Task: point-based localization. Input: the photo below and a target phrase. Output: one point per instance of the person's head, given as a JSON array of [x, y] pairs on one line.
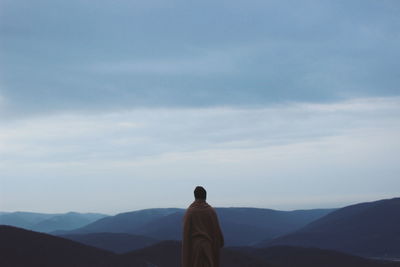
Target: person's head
[[200, 193]]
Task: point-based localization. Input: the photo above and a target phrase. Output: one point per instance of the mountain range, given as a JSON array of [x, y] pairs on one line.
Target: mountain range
[[367, 229], [256, 236], [43, 222], [19, 247], [242, 226]]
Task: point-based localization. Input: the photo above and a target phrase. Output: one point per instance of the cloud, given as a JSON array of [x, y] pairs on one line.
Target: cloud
[[212, 62], [2, 100], [148, 132], [300, 150], [3, 106], [123, 94], [66, 56]]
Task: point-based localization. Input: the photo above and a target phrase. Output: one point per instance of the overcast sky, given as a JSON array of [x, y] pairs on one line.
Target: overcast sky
[[111, 106]]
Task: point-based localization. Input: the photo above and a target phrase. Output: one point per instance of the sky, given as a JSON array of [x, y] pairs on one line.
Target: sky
[[113, 106]]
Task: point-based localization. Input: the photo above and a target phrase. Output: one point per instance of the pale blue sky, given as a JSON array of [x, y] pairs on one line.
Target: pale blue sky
[[109, 106]]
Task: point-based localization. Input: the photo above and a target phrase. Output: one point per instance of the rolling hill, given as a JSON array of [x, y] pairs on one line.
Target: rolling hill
[[23, 219], [68, 221], [127, 222], [287, 256], [368, 229], [42, 222], [248, 226], [241, 226], [115, 242], [168, 254], [19, 247]]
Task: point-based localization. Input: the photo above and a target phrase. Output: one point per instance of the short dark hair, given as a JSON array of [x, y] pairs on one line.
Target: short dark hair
[[200, 193]]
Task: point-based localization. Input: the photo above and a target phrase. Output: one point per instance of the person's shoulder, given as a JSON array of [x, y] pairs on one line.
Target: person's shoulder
[[213, 210], [191, 208], [208, 208]]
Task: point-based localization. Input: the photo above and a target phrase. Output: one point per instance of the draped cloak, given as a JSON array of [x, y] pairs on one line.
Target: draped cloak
[[202, 236]]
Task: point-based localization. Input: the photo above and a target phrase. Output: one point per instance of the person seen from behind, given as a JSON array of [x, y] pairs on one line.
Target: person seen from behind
[[202, 235]]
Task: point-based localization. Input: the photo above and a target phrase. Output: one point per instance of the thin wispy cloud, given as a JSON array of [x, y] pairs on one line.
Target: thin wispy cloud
[[276, 146], [146, 132], [215, 62]]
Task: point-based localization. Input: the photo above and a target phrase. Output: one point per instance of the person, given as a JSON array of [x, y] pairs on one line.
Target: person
[[202, 235]]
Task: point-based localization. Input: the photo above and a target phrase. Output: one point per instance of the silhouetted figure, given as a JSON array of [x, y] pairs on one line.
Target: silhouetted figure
[[202, 236]]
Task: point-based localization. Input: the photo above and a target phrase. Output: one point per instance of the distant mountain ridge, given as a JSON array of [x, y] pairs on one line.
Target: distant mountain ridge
[[245, 226], [366, 229], [23, 219], [125, 222], [43, 222], [241, 226], [369, 229]]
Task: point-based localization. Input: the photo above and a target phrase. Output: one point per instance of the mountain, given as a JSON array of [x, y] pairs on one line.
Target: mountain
[[286, 256], [165, 254], [165, 228], [19, 247], [48, 222], [126, 222], [368, 229], [168, 254], [248, 226], [68, 221], [241, 226], [115, 242], [23, 219]]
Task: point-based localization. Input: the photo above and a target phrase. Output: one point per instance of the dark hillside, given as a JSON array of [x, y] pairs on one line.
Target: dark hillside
[[115, 242], [308, 257], [19, 247], [168, 254], [368, 229]]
